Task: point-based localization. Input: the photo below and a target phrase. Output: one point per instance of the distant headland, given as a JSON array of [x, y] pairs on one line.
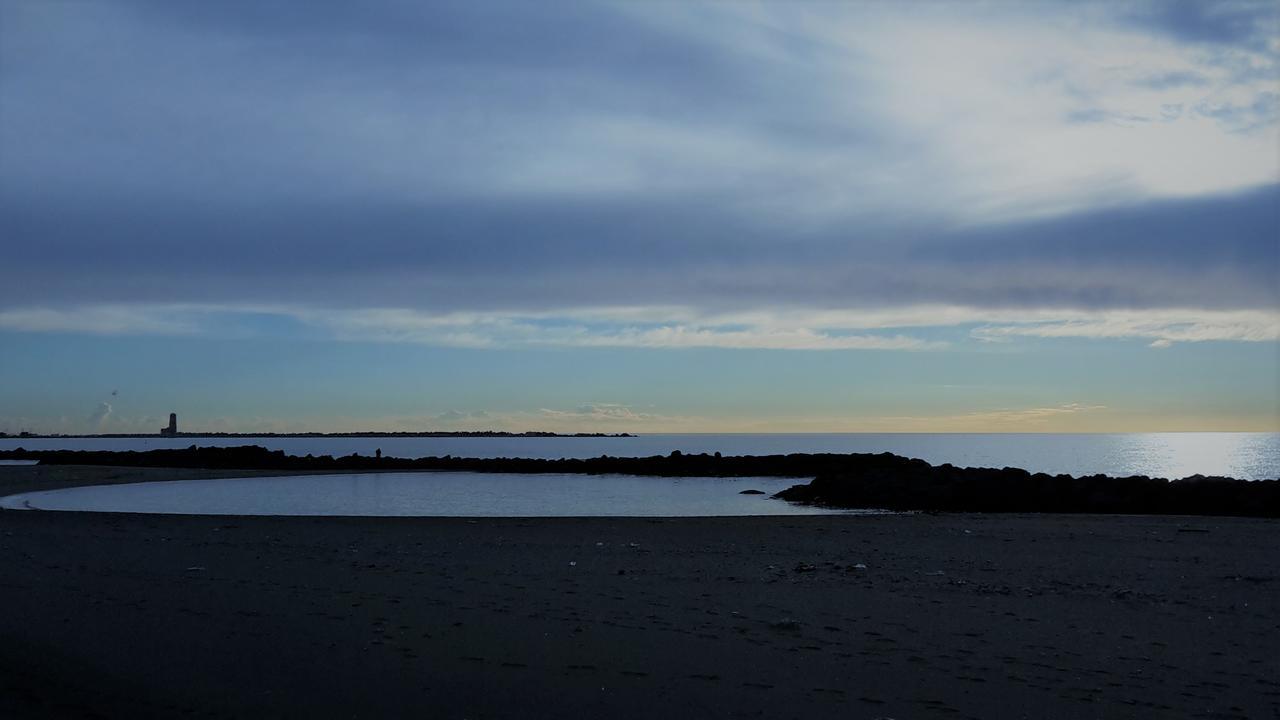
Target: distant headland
[[171, 431], [165, 432]]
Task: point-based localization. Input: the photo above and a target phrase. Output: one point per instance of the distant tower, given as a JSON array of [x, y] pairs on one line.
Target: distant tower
[[172, 430]]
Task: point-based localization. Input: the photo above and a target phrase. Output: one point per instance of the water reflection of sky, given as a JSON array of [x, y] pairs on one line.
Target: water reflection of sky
[[430, 494]]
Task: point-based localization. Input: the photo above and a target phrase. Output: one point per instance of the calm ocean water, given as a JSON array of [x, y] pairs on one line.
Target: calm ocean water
[[1252, 456]]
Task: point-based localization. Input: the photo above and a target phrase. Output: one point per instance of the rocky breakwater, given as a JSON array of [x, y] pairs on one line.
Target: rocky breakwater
[[896, 483]]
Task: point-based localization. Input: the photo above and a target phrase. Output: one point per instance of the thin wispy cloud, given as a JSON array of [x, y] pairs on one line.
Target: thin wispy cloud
[[1000, 420], [1163, 328], [602, 412], [100, 320], [659, 327], [98, 418]]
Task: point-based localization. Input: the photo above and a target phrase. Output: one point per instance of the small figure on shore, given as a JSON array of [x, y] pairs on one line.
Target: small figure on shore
[[378, 453]]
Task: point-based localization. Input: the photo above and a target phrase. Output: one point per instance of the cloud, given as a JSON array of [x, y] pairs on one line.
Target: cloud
[[592, 415], [1172, 79], [899, 328], [99, 416], [1263, 111], [1099, 116], [1162, 327], [457, 416], [451, 158], [797, 339], [98, 320], [666, 328], [1006, 420], [1232, 23], [1144, 254], [597, 411]]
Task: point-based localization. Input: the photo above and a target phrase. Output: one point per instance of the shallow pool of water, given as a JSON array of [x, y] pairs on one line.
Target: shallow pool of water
[[446, 494]]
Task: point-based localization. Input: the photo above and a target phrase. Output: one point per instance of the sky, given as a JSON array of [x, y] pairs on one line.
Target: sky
[[639, 216]]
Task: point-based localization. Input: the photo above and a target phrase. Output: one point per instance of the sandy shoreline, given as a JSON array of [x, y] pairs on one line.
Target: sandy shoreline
[[952, 616]]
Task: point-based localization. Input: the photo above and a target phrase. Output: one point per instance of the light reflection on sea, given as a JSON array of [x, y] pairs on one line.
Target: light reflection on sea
[[1175, 455]]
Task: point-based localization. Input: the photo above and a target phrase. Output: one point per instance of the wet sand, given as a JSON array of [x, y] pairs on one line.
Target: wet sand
[[910, 616]]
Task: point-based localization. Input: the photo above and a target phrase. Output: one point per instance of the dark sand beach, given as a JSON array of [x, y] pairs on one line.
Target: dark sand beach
[[899, 616]]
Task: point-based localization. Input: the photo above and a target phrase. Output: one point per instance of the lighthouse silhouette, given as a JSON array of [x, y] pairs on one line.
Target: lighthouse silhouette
[[172, 430]]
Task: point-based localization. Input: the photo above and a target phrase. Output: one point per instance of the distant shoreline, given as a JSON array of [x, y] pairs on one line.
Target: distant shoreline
[[432, 434]]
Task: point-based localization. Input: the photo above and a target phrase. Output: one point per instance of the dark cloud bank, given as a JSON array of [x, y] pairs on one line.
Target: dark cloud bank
[[1216, 252], [165, 153]]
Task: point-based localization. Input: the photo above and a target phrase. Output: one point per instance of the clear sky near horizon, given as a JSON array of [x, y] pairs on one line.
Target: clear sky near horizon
[[639, 216]]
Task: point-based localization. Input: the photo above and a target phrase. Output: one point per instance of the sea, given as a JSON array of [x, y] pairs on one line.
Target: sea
[[1247, 456]]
